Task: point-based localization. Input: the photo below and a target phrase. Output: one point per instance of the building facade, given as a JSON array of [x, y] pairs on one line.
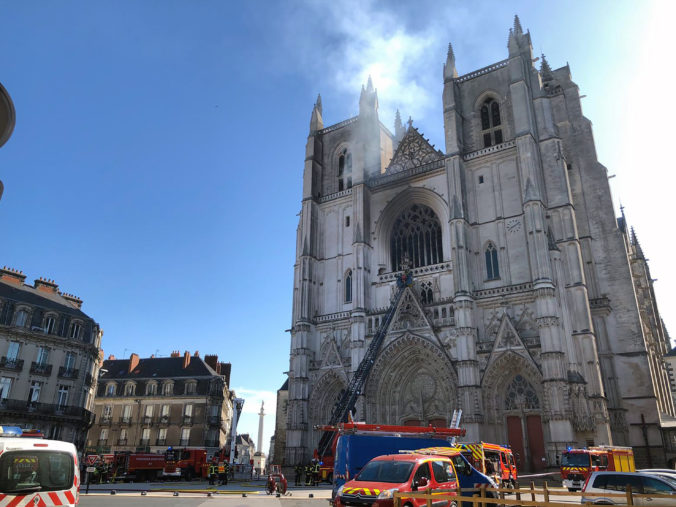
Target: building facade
[[49, 358], [532, 308], [279, 444], [150, 404]]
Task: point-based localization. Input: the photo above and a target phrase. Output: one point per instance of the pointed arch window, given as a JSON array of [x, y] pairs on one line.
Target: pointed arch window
[[344, 170], [348, 286], [426, 294], [492, 267], [416, 235], [521, 395], [491, 123]]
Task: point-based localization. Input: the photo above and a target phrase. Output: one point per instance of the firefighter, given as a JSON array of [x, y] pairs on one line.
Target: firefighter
[[221, 473], [212, 473], [226, 472], [308, 474], [315, 473], [299, 473]]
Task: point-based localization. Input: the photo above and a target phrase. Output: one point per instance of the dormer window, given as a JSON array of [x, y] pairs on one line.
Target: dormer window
[[75, 329], [50, 324], [344, 170], [151, 389], [111, 389], [130, 389], [21, 318], [168, 389], [491, 123]]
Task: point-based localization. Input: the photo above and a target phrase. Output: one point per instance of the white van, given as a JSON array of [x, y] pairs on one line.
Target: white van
[[35, 471]]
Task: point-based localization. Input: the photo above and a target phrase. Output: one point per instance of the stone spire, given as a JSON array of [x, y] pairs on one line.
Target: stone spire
[[316, 121], [368, 99], [450, 71], [517, 25], [545, 69], [399, 129]]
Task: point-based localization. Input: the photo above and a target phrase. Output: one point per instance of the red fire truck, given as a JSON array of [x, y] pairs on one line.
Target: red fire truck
[[130, 467], [578, 464], [185, 464], [495, 461]]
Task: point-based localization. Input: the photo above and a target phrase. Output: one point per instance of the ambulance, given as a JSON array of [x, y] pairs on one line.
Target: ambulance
[[35, 471]]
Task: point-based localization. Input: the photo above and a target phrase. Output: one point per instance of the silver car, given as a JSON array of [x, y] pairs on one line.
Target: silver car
[[616, 483]]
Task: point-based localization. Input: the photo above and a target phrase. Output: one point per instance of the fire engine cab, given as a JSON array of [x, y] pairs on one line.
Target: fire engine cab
[[578, 464], [35, 471]]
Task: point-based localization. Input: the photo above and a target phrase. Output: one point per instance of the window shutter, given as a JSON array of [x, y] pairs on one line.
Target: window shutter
[[65, 321]]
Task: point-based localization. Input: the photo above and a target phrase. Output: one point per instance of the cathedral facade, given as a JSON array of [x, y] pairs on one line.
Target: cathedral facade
[[532, 307]]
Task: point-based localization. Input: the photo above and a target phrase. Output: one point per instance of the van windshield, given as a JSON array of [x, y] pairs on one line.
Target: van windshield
[[395, 472], [27, 471], [575, 459]]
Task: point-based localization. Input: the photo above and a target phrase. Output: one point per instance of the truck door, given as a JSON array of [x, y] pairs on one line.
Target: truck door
[[443, 479]]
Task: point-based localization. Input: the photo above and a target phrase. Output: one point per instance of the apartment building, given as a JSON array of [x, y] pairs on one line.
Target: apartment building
[[150, 404], [49, 358]]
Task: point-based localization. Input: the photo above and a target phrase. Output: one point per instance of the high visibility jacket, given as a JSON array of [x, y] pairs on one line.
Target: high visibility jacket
[[316, 468], [212, 469], [221, 468]]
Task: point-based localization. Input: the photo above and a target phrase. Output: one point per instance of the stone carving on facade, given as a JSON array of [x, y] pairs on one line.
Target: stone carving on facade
[[409, 369], [325, 392], [409, 314], [413, 151], [581, 416]]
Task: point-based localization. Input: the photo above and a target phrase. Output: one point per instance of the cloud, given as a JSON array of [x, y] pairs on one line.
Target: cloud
[[252, 400]]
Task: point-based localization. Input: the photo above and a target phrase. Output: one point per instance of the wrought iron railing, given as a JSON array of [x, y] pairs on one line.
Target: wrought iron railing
[[11, 364], [41, 368], [68, 372], [35, 408]]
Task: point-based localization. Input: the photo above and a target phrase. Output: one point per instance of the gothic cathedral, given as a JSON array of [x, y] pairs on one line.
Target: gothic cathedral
[[532, 308]]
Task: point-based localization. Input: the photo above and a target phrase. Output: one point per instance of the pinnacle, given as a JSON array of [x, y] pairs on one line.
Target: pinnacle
[[517, 25], [451, 54], [369, 84]]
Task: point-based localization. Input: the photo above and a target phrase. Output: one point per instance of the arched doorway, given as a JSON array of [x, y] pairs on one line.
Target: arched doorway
[[325, 393], [513, 399], [412, 383]]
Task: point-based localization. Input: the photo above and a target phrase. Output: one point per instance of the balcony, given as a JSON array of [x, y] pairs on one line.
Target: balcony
[[68, 372], [145, 442], [125, 419], [161, 441], [121, 441], [102, 443], [89, 379], [41, 369], [214, 420], [147, 419], [184, 442], [187, 420], [17, 408], [13, 364], [164, 420], [106, 421]]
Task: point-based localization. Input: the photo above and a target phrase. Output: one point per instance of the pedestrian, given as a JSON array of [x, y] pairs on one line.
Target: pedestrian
[[315, 473], [226, 469], [299, 473]]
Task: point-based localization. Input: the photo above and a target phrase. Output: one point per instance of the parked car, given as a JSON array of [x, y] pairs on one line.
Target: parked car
[[616, 483], [383, 476]]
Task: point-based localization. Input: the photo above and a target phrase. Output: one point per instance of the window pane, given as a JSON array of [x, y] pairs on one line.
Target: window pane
[[439, 471], [495, 114], [487, 140], [485, 123], [498, 136]]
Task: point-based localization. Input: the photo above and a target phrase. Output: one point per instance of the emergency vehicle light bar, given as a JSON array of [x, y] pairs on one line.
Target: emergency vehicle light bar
[[10, 431], [435, 451]]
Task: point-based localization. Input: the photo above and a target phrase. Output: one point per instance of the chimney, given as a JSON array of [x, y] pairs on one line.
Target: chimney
[[175, 353], [133, 362], [73, 300], [111, 357], [11, 275], [152, 356], [46, 285], [211, 360], [197, 353], [186, 359]]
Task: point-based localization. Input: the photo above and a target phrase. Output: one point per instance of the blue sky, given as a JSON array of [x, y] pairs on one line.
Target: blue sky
[[155, 168]]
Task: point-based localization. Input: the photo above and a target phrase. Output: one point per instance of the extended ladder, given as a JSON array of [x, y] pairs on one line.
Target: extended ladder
[[349, 397]]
